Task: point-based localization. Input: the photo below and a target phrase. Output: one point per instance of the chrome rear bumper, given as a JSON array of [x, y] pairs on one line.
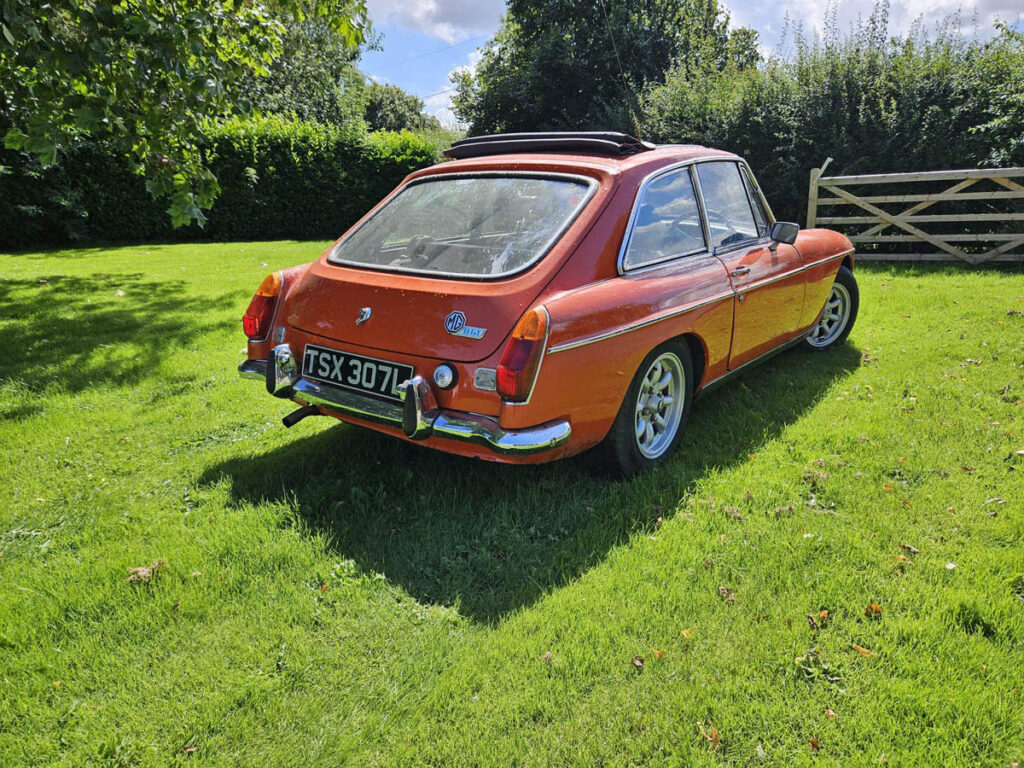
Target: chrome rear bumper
[[418, 415]]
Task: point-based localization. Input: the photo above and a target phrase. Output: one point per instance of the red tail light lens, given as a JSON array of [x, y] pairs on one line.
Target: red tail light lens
[[257, 318], [521, 359]]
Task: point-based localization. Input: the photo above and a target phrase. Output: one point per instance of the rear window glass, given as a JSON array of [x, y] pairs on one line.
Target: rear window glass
[[466, 226]]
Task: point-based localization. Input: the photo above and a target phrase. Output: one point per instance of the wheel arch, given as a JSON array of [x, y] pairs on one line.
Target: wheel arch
[[698, 355]]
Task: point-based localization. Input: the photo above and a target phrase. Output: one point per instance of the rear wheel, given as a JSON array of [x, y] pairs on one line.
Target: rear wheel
[[653, 415], [838, 316]]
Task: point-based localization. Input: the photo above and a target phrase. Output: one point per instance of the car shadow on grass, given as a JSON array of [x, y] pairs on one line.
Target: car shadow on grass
[[105, 330], [491, 538]]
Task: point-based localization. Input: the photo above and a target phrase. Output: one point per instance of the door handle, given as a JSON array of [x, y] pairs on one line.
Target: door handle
[[740, 271]]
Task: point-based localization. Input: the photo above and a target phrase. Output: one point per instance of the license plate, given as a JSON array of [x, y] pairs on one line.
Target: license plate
[[356, 372]]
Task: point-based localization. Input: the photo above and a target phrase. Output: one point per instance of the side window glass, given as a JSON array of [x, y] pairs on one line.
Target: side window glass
[[755, 203], [730, 219], [667, 222]]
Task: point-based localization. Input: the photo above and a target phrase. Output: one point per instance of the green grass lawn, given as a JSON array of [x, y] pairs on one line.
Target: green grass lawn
[[328, 596]]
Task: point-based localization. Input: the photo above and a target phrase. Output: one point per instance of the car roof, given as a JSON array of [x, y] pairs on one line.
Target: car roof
[[588, 163]]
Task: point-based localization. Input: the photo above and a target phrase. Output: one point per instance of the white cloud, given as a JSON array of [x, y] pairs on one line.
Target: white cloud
[[450, 20], [769, 18]]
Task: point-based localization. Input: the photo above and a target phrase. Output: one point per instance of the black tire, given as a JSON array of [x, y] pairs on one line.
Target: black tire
[[825, 336], [621, 452]]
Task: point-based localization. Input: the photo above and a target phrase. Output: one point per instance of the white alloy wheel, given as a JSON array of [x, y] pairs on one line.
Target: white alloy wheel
[[659, 405], [834, 318]]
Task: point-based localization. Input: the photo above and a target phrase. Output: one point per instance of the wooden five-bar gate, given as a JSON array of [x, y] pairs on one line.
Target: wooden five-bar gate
[[963, 233]]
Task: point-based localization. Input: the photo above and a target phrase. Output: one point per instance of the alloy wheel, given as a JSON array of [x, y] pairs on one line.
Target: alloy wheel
[[834, 318], [659, 405]]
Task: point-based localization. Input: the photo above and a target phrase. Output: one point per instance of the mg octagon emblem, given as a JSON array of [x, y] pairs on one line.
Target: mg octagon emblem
[[455, 324]]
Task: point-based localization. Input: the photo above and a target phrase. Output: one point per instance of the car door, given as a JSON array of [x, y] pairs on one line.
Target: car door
[[767, 278]]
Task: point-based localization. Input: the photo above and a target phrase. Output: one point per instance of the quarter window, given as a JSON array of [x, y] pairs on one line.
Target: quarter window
[[730, 220], [755, 203], [667, 223]]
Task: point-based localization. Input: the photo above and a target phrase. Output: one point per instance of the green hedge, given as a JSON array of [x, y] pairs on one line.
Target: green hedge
[[279, 179], [873, 102]]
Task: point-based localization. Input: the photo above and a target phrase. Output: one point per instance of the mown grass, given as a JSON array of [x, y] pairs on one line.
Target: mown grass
[[329, 596]]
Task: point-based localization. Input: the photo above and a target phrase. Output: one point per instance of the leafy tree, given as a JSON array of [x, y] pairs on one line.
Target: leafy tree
[[389, 108], [149, 76], [315, 77], [574, 64], [873, 102]]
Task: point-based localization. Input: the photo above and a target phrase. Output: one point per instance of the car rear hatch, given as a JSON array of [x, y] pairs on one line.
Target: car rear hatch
[[408, 314], [445, 271]]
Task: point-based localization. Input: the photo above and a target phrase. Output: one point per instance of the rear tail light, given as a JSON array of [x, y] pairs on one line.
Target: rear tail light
[[520, 361], [260, 313]]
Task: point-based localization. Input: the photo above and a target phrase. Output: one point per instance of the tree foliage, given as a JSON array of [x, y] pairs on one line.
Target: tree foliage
[[573, 64], [389, 108], [315, 78], [281, 178], [875, 103], [148, 76]]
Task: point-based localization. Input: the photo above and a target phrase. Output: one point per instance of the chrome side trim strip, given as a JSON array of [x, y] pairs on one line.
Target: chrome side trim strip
[[634, 326], [674, 313]]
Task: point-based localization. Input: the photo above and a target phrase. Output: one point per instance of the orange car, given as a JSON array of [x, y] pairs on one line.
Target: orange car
[[543, 294]]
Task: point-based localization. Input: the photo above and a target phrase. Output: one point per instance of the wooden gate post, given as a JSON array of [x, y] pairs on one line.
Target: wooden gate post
[[812, 194]]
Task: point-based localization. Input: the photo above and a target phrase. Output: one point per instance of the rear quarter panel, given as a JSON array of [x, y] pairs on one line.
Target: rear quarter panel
[[600, 334]]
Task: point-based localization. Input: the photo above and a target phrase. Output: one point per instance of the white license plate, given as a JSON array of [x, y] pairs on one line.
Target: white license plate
[[368, 375]]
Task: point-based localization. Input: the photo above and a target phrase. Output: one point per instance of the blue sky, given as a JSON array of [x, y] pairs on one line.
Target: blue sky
[[425, 40]]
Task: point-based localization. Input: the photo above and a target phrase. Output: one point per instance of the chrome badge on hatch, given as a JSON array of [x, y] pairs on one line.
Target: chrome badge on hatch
[[455, 324], [364, 315]]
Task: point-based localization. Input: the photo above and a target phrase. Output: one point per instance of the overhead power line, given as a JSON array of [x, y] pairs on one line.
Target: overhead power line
[[431, 53]]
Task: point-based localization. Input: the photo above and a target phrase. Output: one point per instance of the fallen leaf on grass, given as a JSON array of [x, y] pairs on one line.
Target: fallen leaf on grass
[[323, 587], [967, 468], [548, 657], [657, 654], [638, 663], [119, 292], [950, 566], [687, 634], [188, 749], [994, 500], [812, 622], [823, 616], [143, 574], [58, 683], [815, 747], [908, 548], [711, 735], [903, 558], [830, 714], [726, 594], [873, 611], [861, 650]]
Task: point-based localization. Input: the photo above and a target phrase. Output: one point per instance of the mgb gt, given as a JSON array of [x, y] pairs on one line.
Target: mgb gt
[[545, 294]]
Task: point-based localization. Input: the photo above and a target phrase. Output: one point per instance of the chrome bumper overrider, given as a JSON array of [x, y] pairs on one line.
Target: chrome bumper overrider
[[418, 415]]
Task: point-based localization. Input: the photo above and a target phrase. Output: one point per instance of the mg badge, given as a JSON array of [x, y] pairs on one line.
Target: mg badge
[[364, 315], [455, 324]]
